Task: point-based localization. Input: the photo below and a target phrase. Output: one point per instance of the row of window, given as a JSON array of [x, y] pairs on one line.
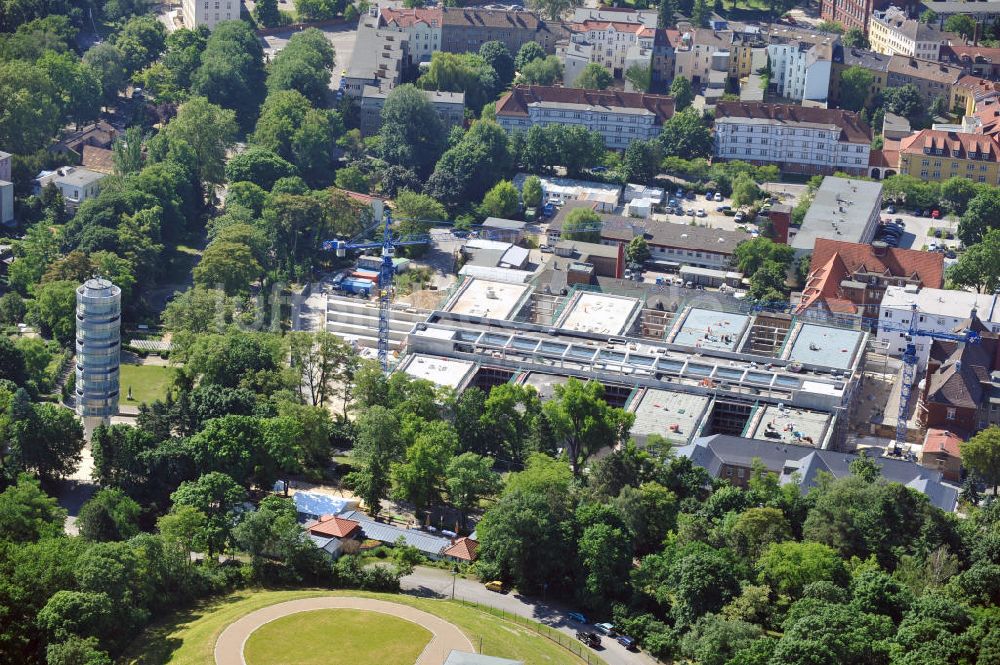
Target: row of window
[[954, 165]]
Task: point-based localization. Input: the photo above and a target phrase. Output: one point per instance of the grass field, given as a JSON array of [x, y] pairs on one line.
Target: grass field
[[188, 638], [362, 637], [148, 383]]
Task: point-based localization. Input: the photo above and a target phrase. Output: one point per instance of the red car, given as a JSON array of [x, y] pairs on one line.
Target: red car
[[935, 214]]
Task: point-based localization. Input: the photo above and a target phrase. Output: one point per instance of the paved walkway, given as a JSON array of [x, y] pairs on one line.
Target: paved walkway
[[229, 647]]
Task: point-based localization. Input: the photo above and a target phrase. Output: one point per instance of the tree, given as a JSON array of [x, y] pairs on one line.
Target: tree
[[606, 555], [768, 283], [141, 41], [745, 191], [28, 514], [714, 639], [305, 64], [411, 208], [55, 307], [77, 88], [637, 251], [529, 52], [751, 255], [978, 267], [499, 58], [44, 439], [531, 192], [128, 151], [318, 10], [501, 201], [833, 634], [76, 613], [957, 193], [216, 496], [377, 445], [855, 87], [680, 90], [649, 511], [411, 135], [963, 24], [12, 362], [665, 13], [324, 360], [582, 224], [685, 134], [209, 131], [260, 166], [755, 529], [830, 26], [419, 476], [541, 71], [229, 266], [231, 74], [904, 100], [641, 77], [641, 162], [702, 580], [788, 567], [266, 13], [553, 9], [855, 38], [76, 651], [13, 309], [594, 77], [462, 72], [583, 421], [31, 112], [928, 16], [700, 13], [470, 477], [981, 215], [109, 515], [981, 455], [108, 62]]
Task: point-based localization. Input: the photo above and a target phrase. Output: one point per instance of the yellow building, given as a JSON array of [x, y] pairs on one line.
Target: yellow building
[[968, 95], [938, 155]]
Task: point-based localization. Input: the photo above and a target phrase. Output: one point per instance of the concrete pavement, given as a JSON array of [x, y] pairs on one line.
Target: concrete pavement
[[437, 583]]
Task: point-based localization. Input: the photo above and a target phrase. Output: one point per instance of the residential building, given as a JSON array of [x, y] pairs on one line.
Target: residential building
[[893, 32], [978, 61], [797, 139], [961, 387], [747, 51], [603, 197], [331, 533], [895, 127], [463, 550], [209, 13], [98, 159], [598, 260], [497, 228], [697, 50], [851, 277], [801, 63], [468, 28], [938, 155], [617, 39], [450, 107], [75, 183], [936, 310], [620, 117], [378, 58], [609, 41], [857, 13], [984, 11], [421, 26], [972, 93], [942, 451], [933, 79], [100, 134], [671, 245], [845, 57], [842, 209], [646, 17], [6, 190], [731, 458]]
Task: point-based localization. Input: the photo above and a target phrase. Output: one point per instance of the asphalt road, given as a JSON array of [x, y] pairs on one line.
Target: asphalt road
[[434, 582]]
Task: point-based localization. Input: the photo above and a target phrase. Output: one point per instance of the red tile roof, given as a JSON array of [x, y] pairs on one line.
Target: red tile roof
[[516, 101], [942, 441], [956, 145], [404, 18], [979, 87], [464, 549], [332, 526], [852, 128], [969, 53]]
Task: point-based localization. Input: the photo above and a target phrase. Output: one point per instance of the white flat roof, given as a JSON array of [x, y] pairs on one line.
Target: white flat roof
[[942, 302], [600, 313], [825, 346], [494, 300], [441, 371], [708, 329], [672, 415]]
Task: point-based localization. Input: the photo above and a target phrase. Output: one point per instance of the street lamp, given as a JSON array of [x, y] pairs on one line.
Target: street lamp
[[454, 576]]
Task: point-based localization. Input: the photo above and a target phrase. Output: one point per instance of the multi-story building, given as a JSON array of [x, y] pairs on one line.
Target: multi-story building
[[797, 139], [938, 155], [893, 32], [857, 13], [851, 277], [983, 11], [972, 93], [620, 117], [75, 183], [842, 208], [698, 49], [845, 57], [801, 62], [98, 351], [378, 59], [422, 28], [209, 13], [468, 28], [617, 40], [450, 107], [978, 61], [599, 196], [933, 79]]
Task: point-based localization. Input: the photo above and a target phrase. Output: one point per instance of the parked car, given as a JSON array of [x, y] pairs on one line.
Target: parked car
[[717, 197], [708, 196], [599, 169], [628, 643], [723, 208], [950, 254], [891, 209], [576, 616], [605, 628], [739, 217], [899, 220], [932, 247], [548, 210], [671, 203], [919, 212], [592, 640], [545, 249], [495, 585], [935, 214], [701, 212]]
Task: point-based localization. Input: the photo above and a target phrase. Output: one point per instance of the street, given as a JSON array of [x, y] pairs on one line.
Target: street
[[437, 583]]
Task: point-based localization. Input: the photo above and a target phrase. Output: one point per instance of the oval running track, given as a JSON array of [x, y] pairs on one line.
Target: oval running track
[[446, 636]]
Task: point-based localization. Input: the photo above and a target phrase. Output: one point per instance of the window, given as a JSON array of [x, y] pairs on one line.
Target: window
[[951, 413]]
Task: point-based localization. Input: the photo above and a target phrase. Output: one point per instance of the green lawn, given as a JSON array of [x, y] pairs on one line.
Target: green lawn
[[362, 637], [188, 638], [148, 383]]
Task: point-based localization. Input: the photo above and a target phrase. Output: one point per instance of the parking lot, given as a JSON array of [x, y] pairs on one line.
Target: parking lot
[[342, 37], [917, 236]]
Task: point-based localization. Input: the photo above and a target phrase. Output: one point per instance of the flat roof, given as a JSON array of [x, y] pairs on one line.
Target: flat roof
[[822, 345], [599, 313], [672, 415], [840, 210], [489, 299], [791, 425], [440, 371], [545, 384], [943, 302], [708, 329]]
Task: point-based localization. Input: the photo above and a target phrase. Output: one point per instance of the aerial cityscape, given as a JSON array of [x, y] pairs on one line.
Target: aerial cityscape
[[440, 332]]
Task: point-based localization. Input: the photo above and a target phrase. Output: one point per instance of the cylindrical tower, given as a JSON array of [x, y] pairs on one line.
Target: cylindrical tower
[[98, 349]]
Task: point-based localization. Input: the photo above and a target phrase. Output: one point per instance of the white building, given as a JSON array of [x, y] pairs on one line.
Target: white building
[[76, 183], [843, 209], [422, 28], [209, 12], [98, 350], [6, 190], [936, 310], [797, 139], [800, 70], [613, 40], [893, 32], [603, 196]]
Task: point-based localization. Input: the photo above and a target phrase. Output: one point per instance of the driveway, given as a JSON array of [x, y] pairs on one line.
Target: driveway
[[437, 583]]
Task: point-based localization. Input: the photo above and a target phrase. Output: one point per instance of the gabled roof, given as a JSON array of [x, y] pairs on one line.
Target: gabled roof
[[517, 101], [942, 441], [404, 18], [852, 128], [957, 145], [969, 53], [928, 267], [477, 17], [959, 381], [928, 70], [332, 526], [464, 549]]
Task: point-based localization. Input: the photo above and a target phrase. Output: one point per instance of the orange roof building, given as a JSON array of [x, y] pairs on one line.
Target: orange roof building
[[937, 155], [331, 526], [463, 549]]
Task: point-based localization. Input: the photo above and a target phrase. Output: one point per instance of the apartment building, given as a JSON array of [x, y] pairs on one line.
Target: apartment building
[[938, 155], [422, 28], [797, 139], [378, 59], [845, 57], [984, 11], [978, 61], [933, 79], [76, 184], [620, 117], [450, 107], [616, 41], [972, 93], [209, 13], [857, 13], [801, 63], [466, 29], [701, 50], [893, 32]]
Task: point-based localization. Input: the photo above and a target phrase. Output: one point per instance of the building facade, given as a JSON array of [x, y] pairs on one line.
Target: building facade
[[76, 184], [857, 13], [465, 29], [795, 138], [893, 32], [98, 349], [378, 59], [422, 28], [450, 107], [620, 117], [978, 61], [209, 13], [933, 79], [938, 155]]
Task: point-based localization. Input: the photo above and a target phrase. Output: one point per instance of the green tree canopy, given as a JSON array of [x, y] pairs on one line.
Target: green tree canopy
[[594, 77]]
